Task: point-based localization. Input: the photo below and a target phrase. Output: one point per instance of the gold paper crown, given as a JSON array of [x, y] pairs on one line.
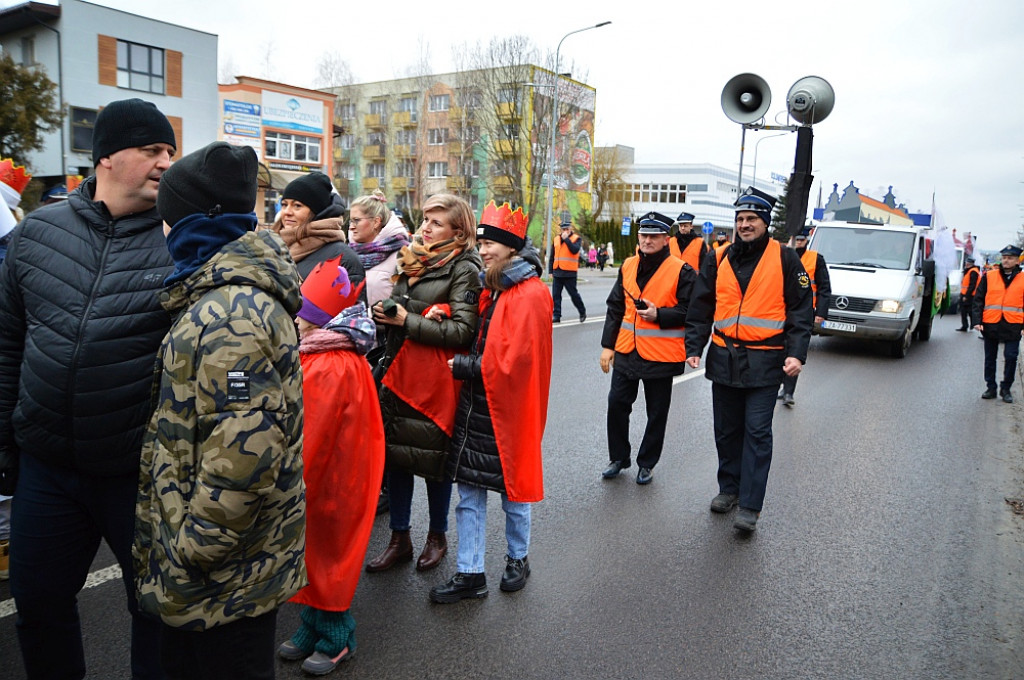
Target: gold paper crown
[[14, 176], [504, 218]]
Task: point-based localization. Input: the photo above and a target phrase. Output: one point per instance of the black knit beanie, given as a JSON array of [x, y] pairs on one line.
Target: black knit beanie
[[217, 179], [312, 190], [128, 123]]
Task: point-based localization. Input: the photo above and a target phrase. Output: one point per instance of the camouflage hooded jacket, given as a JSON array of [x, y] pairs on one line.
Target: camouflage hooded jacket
[[220, 527]]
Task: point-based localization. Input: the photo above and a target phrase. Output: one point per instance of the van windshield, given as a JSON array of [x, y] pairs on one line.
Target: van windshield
[[876, 248]]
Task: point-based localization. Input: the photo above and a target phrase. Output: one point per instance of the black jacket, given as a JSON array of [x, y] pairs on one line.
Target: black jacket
[[1003, 331], [743, 367], [822, 283], [80, 324]]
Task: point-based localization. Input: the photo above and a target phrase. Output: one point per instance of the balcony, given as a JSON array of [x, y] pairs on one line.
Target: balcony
[[507, 111], [457, 183], [373, 152], [502, 184], [403, 183], [405, 118], [371, 183], [373, 120], [458, 148], [404, 150], [504, 147]]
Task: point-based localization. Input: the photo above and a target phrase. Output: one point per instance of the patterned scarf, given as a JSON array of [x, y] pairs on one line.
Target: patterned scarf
[[373, 253], [418, 257], [310, 237]]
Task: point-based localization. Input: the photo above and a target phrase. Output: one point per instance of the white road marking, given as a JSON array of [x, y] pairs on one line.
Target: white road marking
[[94, 579]]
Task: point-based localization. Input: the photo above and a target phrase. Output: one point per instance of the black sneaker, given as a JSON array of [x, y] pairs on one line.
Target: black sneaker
[[516, 573], [724, 502], [583, 317], [1007, 397], [459, 587], [990, 393]]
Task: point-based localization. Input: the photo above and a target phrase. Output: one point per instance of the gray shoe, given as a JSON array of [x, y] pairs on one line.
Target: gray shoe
[[319, 663], [724, 502], [289, 651], [746, 519]]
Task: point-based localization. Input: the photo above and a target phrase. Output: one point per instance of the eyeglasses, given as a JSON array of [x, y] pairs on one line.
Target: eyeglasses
[[356, 220]]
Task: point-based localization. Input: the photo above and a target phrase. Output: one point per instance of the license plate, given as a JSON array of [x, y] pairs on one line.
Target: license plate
[[839, 326]]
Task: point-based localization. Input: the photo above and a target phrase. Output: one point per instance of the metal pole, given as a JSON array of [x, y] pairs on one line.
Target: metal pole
[[551, 145], [739, 178], [756, 147]]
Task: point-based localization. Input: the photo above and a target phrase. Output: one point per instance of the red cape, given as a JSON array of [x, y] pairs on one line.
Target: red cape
[[419, 376], [516, 371], [343, 459]]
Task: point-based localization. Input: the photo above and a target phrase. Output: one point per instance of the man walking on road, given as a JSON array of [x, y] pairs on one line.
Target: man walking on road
[[686, 245], [754, 300], [968, 287], [643, 340], [564, 262], [999, 303], [821, 292], [80, 323]]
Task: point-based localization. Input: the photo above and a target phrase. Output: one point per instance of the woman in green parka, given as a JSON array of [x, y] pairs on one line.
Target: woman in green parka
[[439, 268]]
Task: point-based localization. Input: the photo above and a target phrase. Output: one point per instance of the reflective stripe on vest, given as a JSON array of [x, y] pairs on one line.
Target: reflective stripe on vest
[[1002, 303], [651, 342], [757, 316], [810, 262], [965, 283], [565, 260]]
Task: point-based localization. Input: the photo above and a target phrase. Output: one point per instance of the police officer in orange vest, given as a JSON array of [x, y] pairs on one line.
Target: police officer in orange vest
[[753, 298], [686, 245], [968, 287], [563, 263], [999, 303], [721, 240], [643, 340], [821, 291]]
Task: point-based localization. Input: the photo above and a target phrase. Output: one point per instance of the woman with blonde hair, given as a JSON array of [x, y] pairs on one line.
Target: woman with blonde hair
[[440, 268], [376, 235]]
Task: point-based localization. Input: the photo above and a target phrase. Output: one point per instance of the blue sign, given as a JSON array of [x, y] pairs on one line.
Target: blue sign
[[707, 228], [626, 224]]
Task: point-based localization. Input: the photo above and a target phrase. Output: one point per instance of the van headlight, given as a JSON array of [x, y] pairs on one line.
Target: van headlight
[[888, 306]]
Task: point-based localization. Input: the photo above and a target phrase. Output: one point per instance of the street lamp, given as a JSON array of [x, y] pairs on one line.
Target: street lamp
[[756, 147], [551, 147]]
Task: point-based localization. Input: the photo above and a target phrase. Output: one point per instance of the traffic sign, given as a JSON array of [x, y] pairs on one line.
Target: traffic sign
[[626, 224], [707, 228]]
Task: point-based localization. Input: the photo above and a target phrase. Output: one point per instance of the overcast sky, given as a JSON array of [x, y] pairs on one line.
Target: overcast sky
[[928, 95]]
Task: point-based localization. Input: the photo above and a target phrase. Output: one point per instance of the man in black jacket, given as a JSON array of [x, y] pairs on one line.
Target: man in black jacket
[[80, 323], [999, 315], [821, 293], [755, 297]]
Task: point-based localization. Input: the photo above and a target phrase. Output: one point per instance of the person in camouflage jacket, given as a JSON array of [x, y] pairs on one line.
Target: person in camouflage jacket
[[220, 529]]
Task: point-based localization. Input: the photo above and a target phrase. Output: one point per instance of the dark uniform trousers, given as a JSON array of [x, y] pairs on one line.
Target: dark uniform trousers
[[743, 436], [967, 313], [623, 392], [569, 284], [1010, 351]]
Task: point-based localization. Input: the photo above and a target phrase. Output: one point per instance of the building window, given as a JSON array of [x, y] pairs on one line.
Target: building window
[[375, 138], [347, 141], [82, 122], [140, 67], [405, 137], [702, 188], [405, 169], [508, 94], [379, 107], [28, 51], [470, 169], [347, 171], [439, 102], [437, 136], [437, 169], [288, 147], [470, 133], [347, 111], [409, 105], [375, 170], [471, 99], [511, 131]]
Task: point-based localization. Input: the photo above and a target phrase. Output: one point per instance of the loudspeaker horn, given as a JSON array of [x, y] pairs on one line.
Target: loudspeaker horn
[[810, 100], [746, 98]]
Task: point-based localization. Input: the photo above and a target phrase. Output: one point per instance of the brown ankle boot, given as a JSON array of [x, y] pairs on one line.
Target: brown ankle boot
[[434, 550], [399, 550]]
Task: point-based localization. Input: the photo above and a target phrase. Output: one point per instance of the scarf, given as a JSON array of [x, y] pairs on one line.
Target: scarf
[[417, 258], [515, 271], [352, 329], [373, 253], [197, 238], [310, 237]]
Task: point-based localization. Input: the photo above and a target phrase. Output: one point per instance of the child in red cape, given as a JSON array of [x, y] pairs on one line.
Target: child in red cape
[[502, 407], [343, 458]]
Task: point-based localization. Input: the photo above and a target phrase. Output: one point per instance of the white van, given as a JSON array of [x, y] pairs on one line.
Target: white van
[[882, 282]]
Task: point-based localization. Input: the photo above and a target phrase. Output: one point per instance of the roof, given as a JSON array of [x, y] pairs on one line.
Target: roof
[[881, 206], [26, 14]]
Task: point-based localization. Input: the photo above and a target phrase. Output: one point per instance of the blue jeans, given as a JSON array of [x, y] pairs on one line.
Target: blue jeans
[[439, 498], [743, 436], [59, 517], [471, 524]]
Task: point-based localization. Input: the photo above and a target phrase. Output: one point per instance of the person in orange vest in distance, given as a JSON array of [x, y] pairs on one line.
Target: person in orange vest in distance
[[563, 263], [821, 292], [643, 340], [999, 303], [754, 300], [968, 287], [686, 245], [721, 240]]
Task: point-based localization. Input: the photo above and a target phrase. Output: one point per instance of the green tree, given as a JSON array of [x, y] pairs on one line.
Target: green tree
[[778, 228], [28, 109]]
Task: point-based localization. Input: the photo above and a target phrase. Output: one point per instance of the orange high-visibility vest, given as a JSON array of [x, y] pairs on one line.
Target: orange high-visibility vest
[[652, 342], [964, 283], [691, 253], [1002, 303], [810, 262], [757, 318], [565, 260]]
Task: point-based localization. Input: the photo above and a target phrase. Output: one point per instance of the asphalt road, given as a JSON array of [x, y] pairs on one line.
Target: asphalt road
[[885, 549]]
